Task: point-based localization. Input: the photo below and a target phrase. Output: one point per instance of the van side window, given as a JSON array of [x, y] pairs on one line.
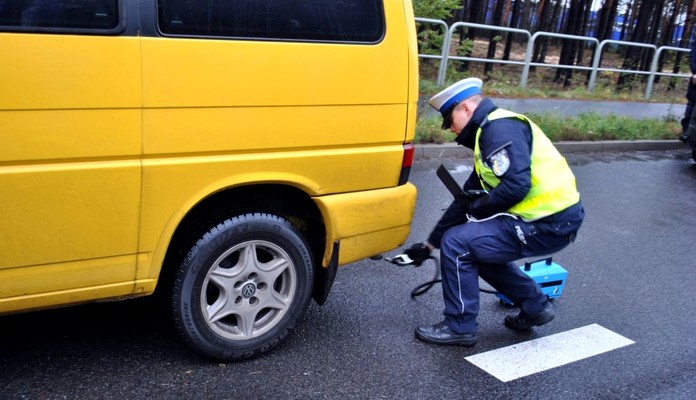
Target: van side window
[[305, 20], [47, 15]]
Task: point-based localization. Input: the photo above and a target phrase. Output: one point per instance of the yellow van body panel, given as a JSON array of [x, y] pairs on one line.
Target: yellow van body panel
[[413, 74], [92, 273], [69, 72], [175, 186], [70, 124], [109, 142]]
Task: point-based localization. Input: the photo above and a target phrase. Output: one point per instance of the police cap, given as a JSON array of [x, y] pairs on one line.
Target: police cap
[[445, 101]]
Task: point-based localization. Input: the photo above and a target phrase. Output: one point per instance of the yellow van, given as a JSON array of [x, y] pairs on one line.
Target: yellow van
[[226, 154]]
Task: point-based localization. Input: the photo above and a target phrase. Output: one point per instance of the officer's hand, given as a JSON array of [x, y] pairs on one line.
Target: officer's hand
[[418, 252]]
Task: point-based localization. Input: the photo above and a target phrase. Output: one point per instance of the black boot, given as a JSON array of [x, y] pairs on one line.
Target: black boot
[[524, 321], [441, 334]]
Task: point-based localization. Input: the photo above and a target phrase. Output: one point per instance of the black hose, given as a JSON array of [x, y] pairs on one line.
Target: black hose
[[424, 287]]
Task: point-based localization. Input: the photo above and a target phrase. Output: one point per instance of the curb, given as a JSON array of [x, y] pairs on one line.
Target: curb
[[453, 150]]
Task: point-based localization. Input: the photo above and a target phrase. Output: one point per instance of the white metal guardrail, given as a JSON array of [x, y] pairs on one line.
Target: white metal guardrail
[[528, 55], [449, 31], [598, 56], [653, 68], [448, 41]]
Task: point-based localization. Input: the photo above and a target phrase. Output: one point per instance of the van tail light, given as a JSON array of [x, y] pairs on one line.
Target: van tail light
[[409, 153]]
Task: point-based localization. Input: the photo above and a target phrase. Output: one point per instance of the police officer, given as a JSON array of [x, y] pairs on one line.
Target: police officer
[[691, 91], [531, 208]]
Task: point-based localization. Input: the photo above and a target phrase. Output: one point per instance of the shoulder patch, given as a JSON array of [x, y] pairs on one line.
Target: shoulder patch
[[500, 162]]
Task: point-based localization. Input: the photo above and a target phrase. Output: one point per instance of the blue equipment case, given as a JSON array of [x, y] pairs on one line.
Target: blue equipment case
[[549, 275]]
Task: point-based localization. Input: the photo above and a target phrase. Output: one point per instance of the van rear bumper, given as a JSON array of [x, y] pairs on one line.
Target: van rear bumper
[[366, 223], [360, 225]]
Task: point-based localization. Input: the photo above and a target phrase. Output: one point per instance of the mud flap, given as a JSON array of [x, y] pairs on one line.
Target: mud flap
[[324, 277]]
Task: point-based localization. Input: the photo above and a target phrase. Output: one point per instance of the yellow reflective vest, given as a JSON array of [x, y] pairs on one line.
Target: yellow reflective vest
[[553, 183]]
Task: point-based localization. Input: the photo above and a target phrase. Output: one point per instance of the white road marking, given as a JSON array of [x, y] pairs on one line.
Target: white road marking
[[519, 360], [463, 169]]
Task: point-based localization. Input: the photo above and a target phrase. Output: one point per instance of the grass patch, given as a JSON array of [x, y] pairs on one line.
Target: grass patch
[[428, 130], [592, 126]]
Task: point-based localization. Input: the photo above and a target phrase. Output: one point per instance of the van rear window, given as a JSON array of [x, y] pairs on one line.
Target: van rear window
[[305, 20], [56, 15]]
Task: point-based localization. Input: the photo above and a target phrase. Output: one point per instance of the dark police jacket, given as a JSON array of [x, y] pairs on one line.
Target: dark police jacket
[[516, 136]]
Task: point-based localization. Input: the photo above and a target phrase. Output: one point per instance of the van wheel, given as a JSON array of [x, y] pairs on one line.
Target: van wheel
[[243, 287]]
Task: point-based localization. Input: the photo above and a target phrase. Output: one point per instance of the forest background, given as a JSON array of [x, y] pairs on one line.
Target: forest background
[[655, 22]]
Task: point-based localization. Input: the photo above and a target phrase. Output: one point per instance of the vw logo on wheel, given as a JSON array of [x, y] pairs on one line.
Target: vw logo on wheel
[[248, 290]]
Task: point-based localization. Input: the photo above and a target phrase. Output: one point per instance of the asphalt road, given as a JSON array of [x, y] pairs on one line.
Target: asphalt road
[[631, 271]]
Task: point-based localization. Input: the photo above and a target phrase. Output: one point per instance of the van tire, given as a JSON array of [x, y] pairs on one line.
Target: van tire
[[243, 287]]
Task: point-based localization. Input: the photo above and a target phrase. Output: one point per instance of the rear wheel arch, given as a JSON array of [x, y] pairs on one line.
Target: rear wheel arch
[[282, 200]]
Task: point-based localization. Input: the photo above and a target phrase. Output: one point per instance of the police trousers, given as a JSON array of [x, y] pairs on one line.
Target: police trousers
[[488, 249]]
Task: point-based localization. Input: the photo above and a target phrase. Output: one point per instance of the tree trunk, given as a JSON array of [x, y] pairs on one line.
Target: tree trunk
[[542, 13], [627, 23], [467, 15], [529, 10], [652, 38], [514, 23], [543, 17], [492, 42], [668, 25], [568, 47], [607, 16], [582, 31], [605, 25], [506, 13], [634, 55]]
